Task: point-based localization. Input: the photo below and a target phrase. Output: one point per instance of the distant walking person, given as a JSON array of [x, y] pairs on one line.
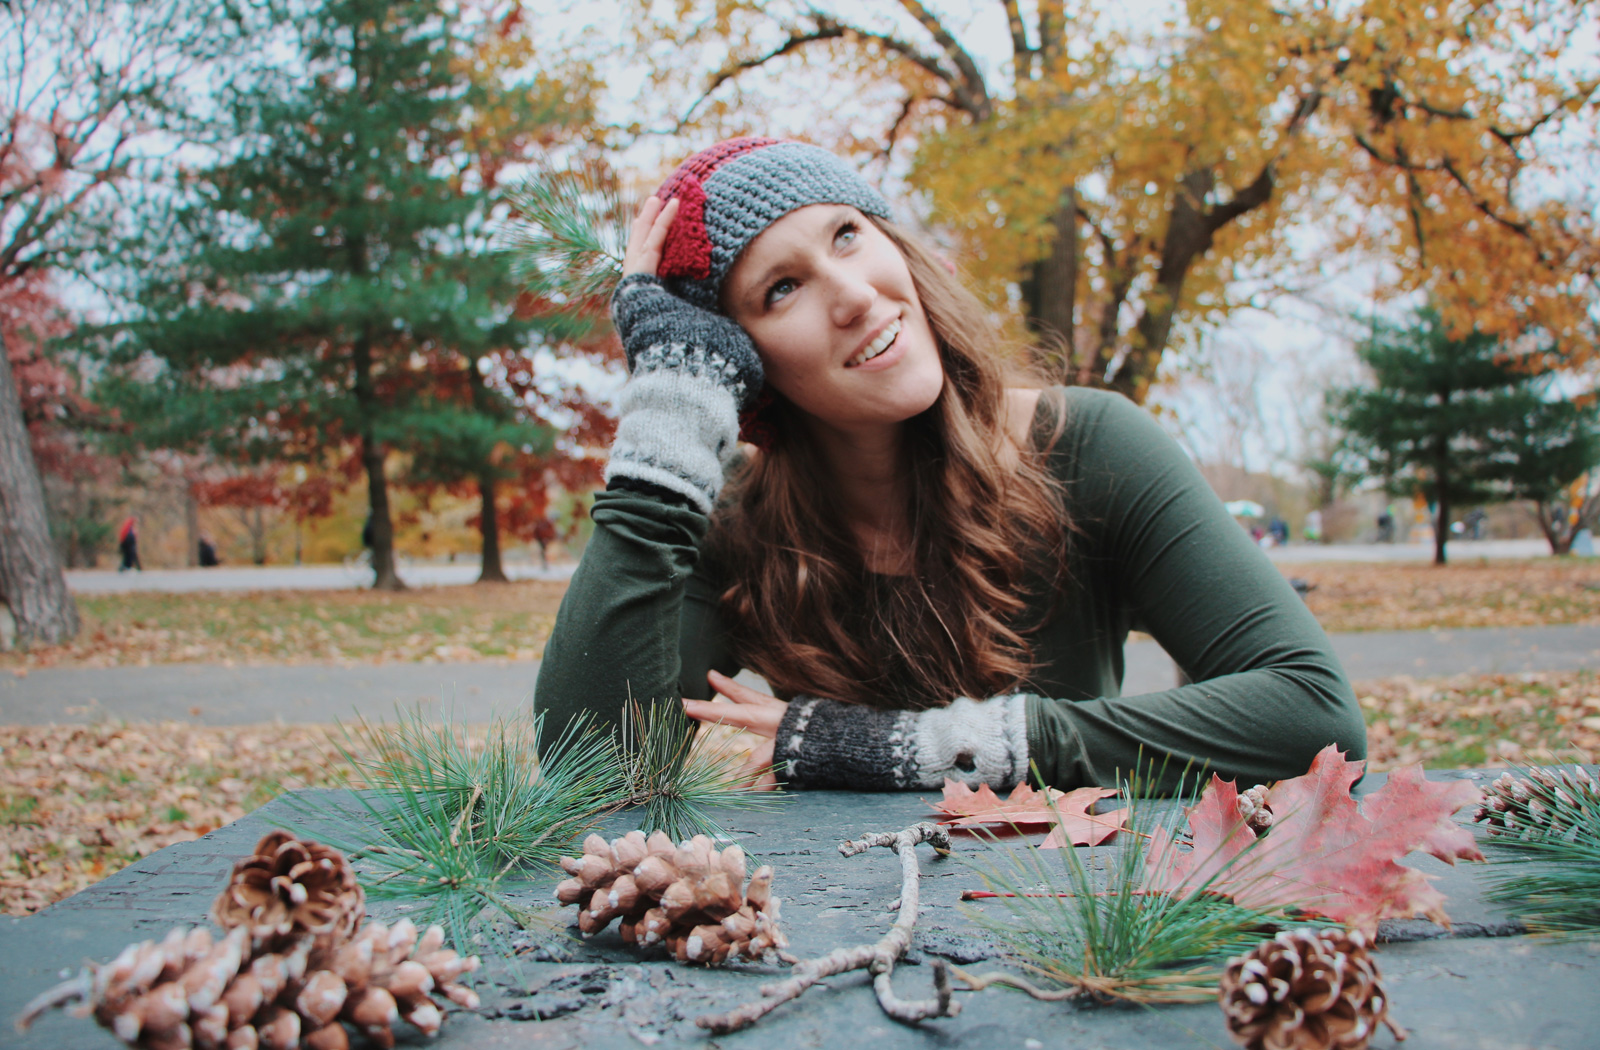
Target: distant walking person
[[208, 553], [128, 543]]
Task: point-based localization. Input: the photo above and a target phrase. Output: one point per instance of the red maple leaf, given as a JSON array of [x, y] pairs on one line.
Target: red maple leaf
[[1026, 806], [1324, 854]]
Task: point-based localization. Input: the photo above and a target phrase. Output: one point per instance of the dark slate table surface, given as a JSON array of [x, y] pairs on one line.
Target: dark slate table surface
[[1481, 985]]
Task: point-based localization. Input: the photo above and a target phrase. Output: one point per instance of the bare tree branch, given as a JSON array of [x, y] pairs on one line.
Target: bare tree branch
[[1021, 53], [971, 88]]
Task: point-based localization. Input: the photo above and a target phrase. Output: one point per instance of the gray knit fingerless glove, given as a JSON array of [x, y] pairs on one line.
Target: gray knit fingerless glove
[[691, 371], [828, 744]]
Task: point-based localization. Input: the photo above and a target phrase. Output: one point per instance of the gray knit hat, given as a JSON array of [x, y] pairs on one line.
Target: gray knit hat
[[732, 191]]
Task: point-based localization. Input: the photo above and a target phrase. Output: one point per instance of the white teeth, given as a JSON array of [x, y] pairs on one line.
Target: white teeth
[[878, 345]]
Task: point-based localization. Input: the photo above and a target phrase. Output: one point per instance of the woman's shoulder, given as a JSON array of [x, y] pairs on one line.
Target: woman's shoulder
[[1073, 412]]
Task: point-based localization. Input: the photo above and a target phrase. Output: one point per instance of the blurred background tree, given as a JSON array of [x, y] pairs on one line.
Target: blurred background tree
[[1466, 421], [328, 285]]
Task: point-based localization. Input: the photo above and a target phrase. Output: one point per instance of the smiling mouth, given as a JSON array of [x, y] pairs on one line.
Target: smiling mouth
[[877, 346]]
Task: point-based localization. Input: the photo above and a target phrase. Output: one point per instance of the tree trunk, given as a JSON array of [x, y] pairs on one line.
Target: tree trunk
[[1554, 522], [1441, 519], [384, 577], [489, 525], [31, 581], [191, 525], [1050, 290]]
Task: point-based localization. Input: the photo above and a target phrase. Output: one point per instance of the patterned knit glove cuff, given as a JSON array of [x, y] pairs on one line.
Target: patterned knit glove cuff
[[828, 744]]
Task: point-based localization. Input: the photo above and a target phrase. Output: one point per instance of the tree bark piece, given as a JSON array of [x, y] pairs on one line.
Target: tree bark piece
[[31, 581], [878, 958]]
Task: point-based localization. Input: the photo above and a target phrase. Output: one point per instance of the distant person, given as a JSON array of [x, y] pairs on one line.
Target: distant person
[[1386, 527], [1312, 529], [208, 554], [128, 544], [1279, 530], [1474, 523]]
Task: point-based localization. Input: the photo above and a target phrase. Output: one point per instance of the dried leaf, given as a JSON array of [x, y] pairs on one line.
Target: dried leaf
[[1026, 806], [1324, 854]]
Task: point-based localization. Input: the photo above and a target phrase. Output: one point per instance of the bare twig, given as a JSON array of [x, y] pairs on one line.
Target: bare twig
[[877, 958], [978, 982]]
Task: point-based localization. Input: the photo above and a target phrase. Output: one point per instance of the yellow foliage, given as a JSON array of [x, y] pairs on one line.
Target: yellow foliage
[[1422, 130]]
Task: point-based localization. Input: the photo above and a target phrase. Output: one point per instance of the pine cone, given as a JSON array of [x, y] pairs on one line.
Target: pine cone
[[1254, 810], [290, 887], [1305, 990], [690, 897], [1547, 804], [288, 975]]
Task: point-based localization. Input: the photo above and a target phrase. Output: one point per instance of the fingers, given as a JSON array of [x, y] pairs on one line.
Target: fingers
[[737, 692], [754, 719], [648, 234]]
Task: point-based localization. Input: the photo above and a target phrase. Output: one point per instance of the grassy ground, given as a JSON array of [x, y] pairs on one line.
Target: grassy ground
[[425, 625], [512, 621]]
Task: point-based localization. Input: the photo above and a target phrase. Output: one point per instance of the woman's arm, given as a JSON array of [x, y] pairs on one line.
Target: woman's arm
[[1268, 691], [630, 604]]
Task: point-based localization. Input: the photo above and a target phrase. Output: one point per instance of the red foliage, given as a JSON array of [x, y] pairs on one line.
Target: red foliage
[[1067, 810], [1324, 854]]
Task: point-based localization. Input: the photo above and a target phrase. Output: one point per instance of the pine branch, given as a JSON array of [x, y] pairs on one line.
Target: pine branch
[[568, 236], [676, 777], [1550, 816], [879, 958], [1116, 941]]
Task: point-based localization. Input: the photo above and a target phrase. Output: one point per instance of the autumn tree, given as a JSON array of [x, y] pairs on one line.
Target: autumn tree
[[1464, 420], [90, 91], [328, 271], [1114, 179]]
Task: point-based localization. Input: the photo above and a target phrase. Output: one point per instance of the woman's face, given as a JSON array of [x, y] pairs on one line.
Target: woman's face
[[829, 301]]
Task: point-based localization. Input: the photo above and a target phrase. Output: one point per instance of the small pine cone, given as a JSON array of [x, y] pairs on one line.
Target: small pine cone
[[1305, 990], [1254, 810], [291, 886]]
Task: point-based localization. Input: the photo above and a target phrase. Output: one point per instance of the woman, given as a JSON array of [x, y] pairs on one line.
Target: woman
[[935, 566]]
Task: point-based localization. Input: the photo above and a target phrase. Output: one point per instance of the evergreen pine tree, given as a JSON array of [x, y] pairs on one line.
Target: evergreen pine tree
[[328, 278], [1463, 420]]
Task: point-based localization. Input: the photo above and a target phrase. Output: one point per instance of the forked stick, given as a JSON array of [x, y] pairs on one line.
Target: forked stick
[[877, 958]]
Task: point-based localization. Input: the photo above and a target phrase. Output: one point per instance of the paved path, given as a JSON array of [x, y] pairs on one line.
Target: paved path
[[463, 571], [241, 695]]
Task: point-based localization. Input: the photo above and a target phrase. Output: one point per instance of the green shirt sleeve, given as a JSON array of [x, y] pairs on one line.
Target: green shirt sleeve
[[1155, 547], [639, 618]]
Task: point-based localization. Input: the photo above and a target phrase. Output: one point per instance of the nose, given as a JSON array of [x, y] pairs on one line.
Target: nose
[[851, 294]]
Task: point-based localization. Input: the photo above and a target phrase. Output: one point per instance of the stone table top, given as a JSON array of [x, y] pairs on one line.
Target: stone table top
[[1480, 985]]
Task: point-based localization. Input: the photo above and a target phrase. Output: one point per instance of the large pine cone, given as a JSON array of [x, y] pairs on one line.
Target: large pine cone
[[690, 897], [1305, 990], [1547, 803], [290, 887]]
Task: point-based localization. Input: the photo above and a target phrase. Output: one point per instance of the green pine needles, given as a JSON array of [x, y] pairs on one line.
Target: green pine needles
[[569, 235], [449, 826], [676, 779], [1091, 929], [1552, 818]]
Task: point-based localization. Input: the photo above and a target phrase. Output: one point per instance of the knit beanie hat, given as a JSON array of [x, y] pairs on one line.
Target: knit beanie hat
[[732, 191]]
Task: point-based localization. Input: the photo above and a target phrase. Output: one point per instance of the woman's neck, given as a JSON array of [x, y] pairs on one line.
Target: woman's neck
[[868, 472]]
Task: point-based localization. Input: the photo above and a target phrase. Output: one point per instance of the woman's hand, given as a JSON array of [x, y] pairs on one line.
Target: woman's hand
[[647, 235], [756, 712]]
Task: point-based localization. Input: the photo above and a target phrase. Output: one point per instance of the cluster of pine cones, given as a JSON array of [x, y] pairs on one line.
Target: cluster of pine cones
[[1305, 990], [690, 897], [296, 967]]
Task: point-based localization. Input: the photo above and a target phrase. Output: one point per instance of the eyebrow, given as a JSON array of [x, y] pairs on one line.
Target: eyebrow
[[758, 287]]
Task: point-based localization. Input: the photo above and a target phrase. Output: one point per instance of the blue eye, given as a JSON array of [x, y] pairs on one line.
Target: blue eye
[[778, 290], [847, 232]]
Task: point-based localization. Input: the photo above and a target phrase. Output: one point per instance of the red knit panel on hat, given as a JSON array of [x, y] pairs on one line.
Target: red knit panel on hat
[[699, 167], [687, 250]]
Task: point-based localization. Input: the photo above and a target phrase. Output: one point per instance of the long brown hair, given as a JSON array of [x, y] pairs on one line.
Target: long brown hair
[[800, 605]]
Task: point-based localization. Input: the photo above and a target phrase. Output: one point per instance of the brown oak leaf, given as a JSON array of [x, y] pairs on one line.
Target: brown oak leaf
[[1026, 806], [1324, 854]]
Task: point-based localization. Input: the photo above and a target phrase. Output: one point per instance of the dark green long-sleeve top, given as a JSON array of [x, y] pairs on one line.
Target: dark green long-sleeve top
[[1152, 547]]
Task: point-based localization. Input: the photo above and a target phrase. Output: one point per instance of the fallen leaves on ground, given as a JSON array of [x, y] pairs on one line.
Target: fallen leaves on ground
[[1483, 720], [424, 625], [1362, 596], [78, 803], [1325, 854], [1027, 806]]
